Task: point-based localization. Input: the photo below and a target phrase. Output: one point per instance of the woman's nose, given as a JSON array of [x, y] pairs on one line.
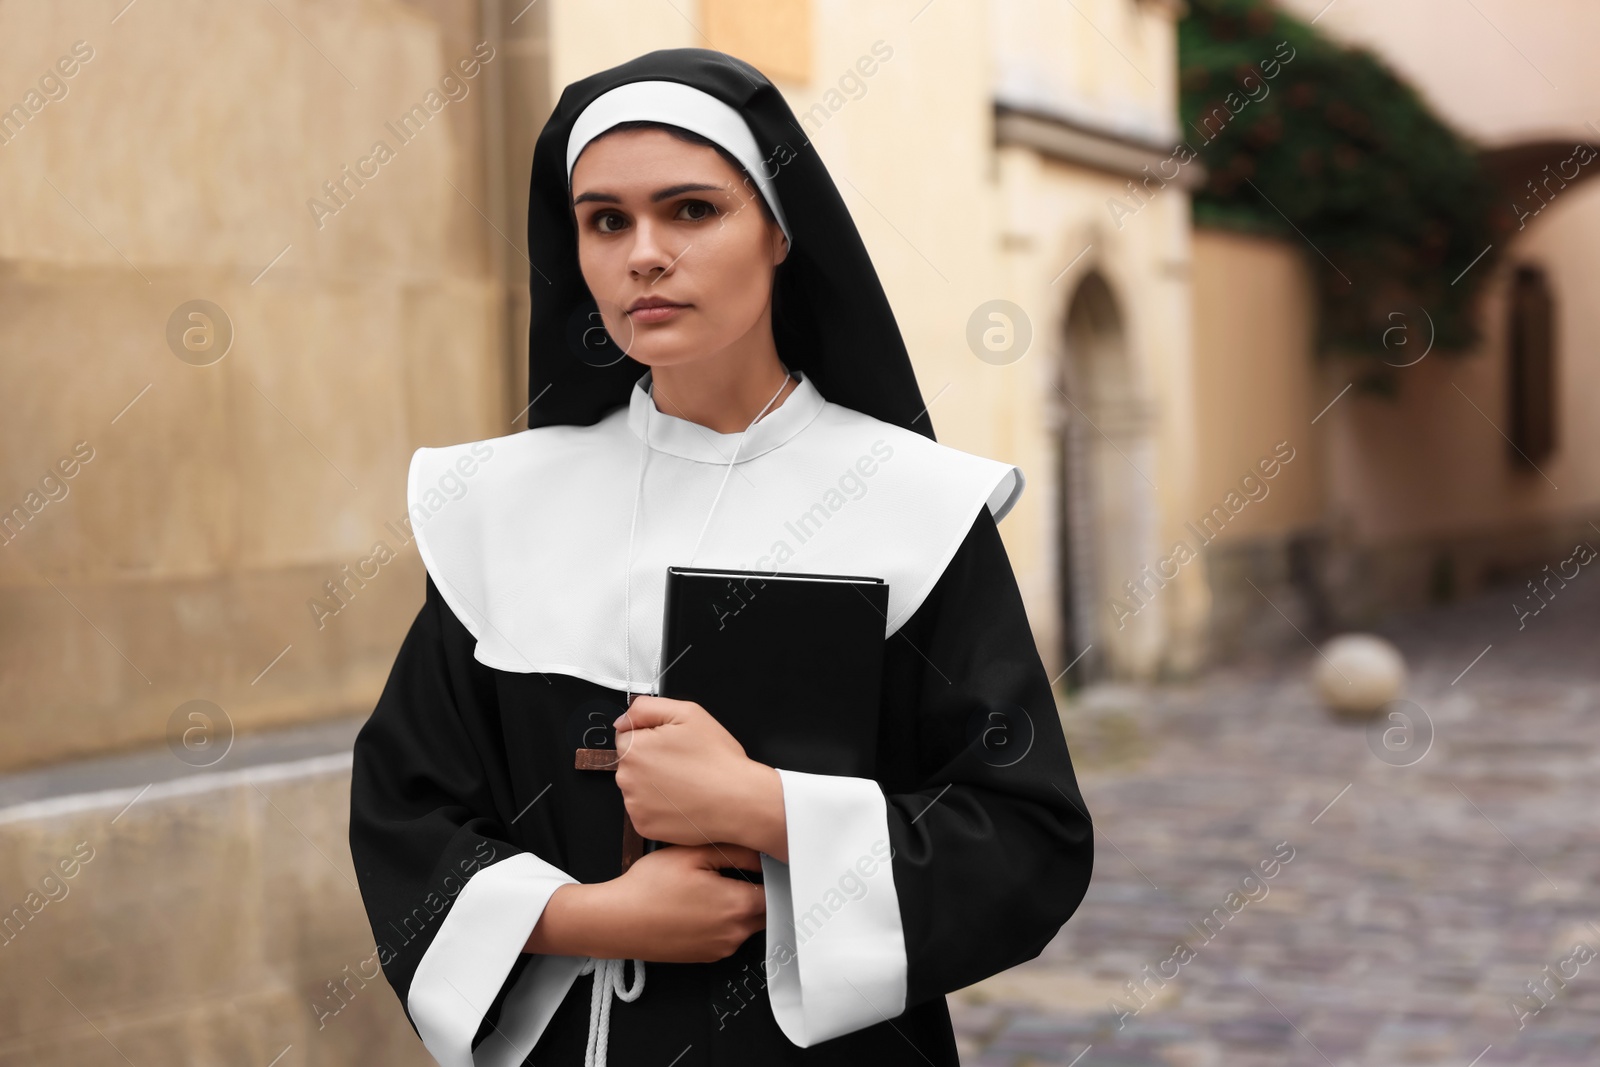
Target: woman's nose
[[651, 250]]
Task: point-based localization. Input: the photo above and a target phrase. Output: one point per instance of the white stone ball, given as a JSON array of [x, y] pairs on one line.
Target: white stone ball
[[1357, 674]]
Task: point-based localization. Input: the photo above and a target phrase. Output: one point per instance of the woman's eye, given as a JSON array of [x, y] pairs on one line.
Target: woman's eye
[[699, 209], [599, 220]]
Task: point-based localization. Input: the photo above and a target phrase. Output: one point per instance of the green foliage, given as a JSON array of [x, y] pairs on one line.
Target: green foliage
[[1324, 140]]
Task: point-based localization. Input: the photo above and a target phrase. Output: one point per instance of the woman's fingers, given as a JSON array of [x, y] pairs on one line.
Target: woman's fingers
[[726, 855]]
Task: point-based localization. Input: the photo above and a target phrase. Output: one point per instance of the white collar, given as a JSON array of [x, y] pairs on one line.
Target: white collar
[[688, 439], [526, 535]]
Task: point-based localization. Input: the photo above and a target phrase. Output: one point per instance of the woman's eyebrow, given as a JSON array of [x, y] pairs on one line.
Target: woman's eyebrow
[[655, 197]]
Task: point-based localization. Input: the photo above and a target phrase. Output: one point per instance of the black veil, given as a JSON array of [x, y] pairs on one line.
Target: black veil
[[830, 317]]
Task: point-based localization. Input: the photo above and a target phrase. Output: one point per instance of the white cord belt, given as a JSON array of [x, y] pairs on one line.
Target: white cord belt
[[607, 980]]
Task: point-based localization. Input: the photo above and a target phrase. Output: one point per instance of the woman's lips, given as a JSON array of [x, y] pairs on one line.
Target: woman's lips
[[659, 313]]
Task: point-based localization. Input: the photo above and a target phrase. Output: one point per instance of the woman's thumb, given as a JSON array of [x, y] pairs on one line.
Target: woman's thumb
[[643, 712]]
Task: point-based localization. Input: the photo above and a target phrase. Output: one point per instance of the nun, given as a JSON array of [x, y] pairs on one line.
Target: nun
[[716, 380]]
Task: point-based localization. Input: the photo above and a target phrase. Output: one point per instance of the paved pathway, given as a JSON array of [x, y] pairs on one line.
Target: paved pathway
[[1418, 900]]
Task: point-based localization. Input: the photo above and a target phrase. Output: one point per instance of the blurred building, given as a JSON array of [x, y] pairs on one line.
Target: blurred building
[[1485, 468]]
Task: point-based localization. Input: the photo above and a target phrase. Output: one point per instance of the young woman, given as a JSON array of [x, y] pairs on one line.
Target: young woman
[[679, 223]]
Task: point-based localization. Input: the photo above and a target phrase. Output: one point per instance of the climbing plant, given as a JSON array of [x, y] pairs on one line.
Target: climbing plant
[[1323, 144]]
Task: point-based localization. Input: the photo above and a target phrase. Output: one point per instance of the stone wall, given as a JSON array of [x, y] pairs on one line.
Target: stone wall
[[199, 920], [252, 257]]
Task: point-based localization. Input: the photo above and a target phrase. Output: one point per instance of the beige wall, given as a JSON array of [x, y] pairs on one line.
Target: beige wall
[[1256, 383], [220, 498], [216, 920], [1108, 64], [1406, 484], [1435, 464], [1260, 493]]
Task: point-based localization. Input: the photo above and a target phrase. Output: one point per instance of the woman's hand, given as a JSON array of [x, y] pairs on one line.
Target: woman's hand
[[687, 781], [673, 906], [669, 906]]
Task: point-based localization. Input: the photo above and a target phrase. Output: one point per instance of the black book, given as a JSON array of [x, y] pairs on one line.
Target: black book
[[790, 664]]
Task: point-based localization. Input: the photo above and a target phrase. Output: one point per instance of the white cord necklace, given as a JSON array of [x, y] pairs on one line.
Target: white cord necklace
[[644, 442], [608, 973]]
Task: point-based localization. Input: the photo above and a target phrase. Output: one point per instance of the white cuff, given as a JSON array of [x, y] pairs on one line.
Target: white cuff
[[836, 954], [466, 964]]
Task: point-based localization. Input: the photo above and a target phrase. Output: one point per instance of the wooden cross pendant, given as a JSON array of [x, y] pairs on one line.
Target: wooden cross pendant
[[605, 759]]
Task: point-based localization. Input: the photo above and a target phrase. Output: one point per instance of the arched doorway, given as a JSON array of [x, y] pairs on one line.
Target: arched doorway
[[1107, 510]]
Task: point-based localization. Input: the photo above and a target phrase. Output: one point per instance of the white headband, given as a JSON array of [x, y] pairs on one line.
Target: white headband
[[679, 105]]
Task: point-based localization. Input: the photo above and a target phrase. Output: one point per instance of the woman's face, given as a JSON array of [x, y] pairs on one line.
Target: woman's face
[[662, 220]]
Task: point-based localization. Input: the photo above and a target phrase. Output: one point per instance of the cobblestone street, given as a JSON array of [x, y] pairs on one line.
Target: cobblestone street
[[1407, 900]]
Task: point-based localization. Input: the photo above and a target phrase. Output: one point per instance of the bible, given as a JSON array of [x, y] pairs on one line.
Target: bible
[[790, 664]]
